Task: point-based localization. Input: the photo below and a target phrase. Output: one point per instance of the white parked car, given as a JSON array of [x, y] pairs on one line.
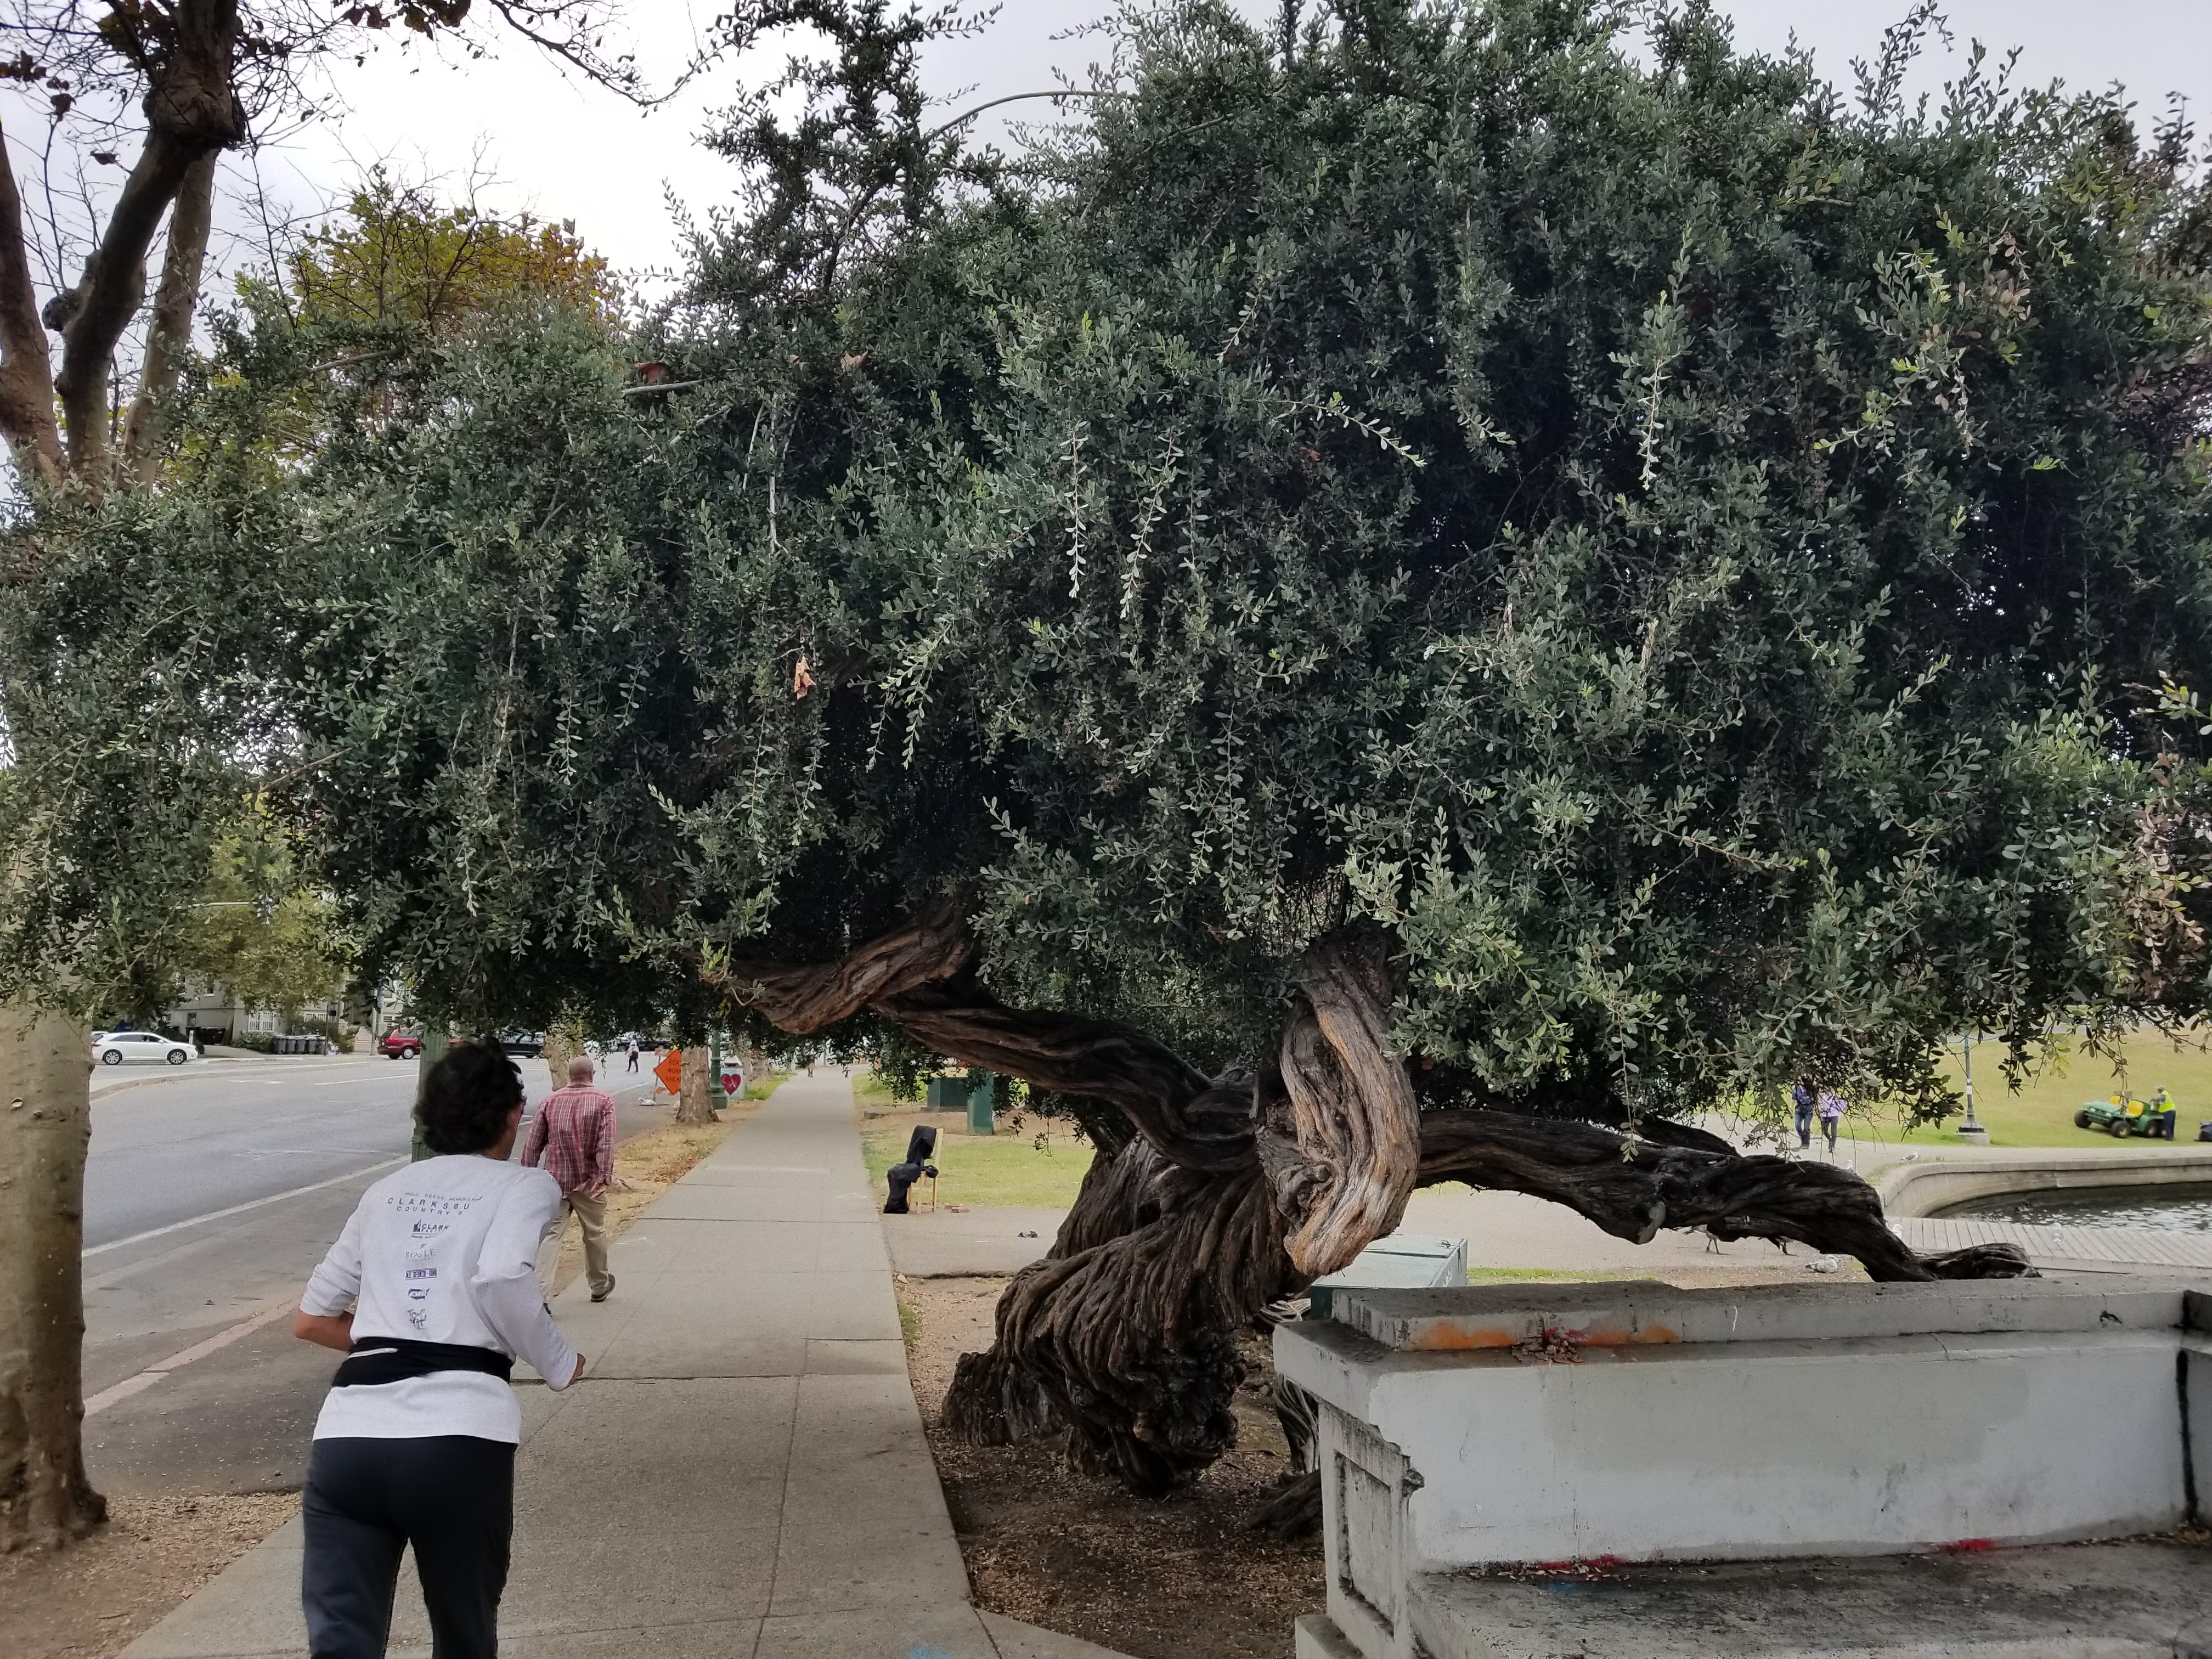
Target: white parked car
[[113, 1048]]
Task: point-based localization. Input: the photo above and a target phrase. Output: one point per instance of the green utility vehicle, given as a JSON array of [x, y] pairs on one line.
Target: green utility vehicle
[[2123, 1114]]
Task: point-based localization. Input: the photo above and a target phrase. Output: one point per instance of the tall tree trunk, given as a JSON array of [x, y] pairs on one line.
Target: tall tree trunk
[[45, 1125], [169, 327], [695, 1101], [27, 372], [1211, 1197]]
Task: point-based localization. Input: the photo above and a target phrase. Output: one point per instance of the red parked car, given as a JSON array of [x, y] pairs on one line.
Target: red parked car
[[401, 1045]]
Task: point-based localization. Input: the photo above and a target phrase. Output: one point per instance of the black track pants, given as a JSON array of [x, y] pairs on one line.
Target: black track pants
[[451, 1495]]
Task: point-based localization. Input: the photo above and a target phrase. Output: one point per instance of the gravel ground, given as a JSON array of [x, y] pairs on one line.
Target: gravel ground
[[94, 1598], [1173, 1579]]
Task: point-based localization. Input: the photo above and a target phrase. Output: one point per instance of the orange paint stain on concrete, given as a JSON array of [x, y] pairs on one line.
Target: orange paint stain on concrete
[[1444, 1336]]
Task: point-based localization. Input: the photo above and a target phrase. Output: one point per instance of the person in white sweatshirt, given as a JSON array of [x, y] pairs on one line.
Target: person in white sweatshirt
[[431, 1294]]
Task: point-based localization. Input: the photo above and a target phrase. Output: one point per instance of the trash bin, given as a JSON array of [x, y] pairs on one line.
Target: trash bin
[[982, 1101]]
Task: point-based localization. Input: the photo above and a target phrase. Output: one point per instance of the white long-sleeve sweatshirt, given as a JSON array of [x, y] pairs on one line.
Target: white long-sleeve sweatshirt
[[444, 1250]]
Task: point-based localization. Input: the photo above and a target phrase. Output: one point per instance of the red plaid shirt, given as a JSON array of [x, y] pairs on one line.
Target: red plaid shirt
[[575, 1133]]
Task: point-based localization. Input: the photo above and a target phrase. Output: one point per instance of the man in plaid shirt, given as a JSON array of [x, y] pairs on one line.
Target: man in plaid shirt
[[574, 1135]]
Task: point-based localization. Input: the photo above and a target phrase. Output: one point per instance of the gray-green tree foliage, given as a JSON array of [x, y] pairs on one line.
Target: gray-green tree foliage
[[1686, 551]]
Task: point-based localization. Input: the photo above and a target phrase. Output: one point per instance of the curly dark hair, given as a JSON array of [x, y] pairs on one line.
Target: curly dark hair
[[466, 1098]]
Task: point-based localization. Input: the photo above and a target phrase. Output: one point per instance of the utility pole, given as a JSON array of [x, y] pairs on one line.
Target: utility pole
[[434, 1051]]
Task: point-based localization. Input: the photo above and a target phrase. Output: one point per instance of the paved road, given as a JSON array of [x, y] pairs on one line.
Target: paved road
[[209, 1195]]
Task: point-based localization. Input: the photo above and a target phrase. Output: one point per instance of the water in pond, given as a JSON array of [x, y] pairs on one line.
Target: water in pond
[[2183, 1209]]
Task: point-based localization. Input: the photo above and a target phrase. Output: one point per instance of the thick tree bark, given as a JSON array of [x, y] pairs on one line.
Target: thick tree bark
[[1126, 1335], [169, 328], [1340, 1131], [26, 373], [694, 1103], [934, 946], [46, 1124], [1236, 1191]]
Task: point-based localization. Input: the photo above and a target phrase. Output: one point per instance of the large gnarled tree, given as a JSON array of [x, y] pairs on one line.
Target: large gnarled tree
[[1428, 606]]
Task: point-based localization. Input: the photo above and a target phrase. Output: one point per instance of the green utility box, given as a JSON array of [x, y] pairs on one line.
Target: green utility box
[[947, 1094], [982, 1103]]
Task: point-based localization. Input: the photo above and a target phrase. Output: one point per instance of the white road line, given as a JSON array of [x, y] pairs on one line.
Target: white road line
[[240, 1209], [153, 1374]]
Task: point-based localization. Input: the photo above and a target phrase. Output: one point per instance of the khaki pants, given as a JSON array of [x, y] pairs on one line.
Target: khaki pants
[[591, 1215]]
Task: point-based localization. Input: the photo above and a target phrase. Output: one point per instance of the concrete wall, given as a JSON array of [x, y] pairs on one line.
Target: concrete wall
[[1477, 1427], [1930, 1187]]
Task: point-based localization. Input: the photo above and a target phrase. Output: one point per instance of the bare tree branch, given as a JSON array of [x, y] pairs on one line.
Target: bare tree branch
[[169, 334], [191, 111]]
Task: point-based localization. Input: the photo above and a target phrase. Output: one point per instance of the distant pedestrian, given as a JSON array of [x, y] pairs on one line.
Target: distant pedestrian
[[1831, 1112], [1802, 1098], [632, 1046], [574, 1133], [430, 1292]]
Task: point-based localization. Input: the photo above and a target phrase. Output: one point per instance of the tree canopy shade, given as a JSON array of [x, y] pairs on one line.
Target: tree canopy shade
[[1418, 607]]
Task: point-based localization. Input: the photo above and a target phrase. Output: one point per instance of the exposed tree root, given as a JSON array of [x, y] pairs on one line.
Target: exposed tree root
[[1293, 1511]]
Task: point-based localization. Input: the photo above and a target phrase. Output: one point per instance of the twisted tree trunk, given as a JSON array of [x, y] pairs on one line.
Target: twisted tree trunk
[[1211, 1197]]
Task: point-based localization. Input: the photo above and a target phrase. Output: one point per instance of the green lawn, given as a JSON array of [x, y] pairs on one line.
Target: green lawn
[[979, 1169], [2042, 1113]]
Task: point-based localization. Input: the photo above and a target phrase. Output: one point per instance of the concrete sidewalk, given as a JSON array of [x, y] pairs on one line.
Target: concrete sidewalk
[[742, 1472]]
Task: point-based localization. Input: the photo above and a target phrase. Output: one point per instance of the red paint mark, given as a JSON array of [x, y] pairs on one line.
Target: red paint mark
[[1972, 1546], [1580, 1566]]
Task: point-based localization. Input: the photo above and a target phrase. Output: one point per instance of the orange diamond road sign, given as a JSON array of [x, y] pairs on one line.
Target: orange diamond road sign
[[671, 1072]]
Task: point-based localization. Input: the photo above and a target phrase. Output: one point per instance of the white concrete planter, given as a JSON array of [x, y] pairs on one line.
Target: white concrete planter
[[1526, 1424]]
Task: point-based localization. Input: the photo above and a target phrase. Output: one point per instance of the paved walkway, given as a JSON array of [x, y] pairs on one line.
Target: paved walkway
[[2121, 1246], [742, 1472]]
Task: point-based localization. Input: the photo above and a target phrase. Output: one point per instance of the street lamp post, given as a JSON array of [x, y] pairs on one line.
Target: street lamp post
[[1972, 1130]]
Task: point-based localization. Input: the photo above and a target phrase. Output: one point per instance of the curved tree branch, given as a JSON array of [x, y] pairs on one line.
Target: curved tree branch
[[1633, 1187], [934, 946], [169, 329]]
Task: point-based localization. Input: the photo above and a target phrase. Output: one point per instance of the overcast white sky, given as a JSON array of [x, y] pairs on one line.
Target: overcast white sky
[[566, 150]]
